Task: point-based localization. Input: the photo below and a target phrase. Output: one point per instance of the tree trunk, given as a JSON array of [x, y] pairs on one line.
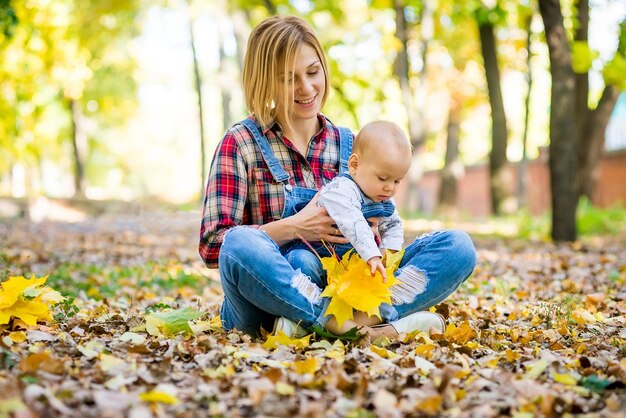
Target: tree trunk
[[590, 124], [497, 156], [582, 83], [198, 87], [592, 145], [452, 169], [79, 146], [562, 159], [521, 179], [402, 71], [239, 28], [225, 83], [417, 119]]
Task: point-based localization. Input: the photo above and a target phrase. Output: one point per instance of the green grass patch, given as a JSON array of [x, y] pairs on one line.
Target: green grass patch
[[99, 282]]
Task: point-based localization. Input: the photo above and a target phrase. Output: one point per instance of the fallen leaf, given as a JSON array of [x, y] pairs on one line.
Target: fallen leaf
[[273, 341], [27, 299], [159, 397], [172, 322], [308, 366], [383, 352], [18, 336], [43, 361], [536, 369]]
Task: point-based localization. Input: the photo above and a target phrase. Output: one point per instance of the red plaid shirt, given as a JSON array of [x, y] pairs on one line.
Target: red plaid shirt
[[241, 189]]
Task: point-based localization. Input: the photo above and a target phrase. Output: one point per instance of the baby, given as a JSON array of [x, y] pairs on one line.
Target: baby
[[381, 157]]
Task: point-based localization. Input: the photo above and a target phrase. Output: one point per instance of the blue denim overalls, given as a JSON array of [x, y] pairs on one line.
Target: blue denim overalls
[[297, 198]]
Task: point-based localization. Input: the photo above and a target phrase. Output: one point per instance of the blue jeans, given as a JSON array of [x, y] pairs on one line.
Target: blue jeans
[[261, 282]]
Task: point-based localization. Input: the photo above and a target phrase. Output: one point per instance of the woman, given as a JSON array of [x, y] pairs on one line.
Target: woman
[[261, 196]]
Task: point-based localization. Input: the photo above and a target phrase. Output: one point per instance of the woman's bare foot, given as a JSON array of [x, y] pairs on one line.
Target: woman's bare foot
[[333, 326], [370, 325], [385, 330], [361, 318]]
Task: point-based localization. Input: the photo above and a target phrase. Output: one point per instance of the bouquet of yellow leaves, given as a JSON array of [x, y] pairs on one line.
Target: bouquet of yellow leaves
[[27, 299], [351, 285]]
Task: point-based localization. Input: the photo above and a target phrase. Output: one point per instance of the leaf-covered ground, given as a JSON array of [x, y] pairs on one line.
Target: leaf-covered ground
[[538, 330]]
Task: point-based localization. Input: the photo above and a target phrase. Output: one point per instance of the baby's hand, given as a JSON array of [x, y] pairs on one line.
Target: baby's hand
[[377, 265]]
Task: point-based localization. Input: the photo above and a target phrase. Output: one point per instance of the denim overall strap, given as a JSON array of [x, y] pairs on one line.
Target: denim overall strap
[[277, 170], [345, 148]]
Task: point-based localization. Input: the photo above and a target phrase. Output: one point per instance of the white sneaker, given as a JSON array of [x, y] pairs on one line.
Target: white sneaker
[[420, 321], [288, 327]]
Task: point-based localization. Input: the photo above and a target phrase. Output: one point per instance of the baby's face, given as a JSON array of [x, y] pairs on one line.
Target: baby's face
[[379, 170]]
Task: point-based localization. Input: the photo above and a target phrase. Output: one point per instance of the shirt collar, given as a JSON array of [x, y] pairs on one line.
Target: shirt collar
[[277, 129]]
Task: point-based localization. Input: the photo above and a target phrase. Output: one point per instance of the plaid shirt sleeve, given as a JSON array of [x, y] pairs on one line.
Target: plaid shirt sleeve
[[225, 198]]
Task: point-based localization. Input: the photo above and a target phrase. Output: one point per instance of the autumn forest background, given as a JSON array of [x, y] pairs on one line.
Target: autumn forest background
[[110, 112]]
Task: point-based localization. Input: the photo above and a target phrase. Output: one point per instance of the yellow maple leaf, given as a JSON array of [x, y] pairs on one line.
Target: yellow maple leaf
[[18, 336], [12, 289], [431, 404], [566, 379], [308, 366], [352, 287], [461, 334], [27, 299], [273, 341], [159, 396], [383, 352]]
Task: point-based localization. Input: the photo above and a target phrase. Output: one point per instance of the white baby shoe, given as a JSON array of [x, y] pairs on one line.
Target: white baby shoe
[[288, 327]]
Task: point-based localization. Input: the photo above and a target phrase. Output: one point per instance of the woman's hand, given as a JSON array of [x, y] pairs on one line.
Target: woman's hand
[[314, 224], [374, 221]]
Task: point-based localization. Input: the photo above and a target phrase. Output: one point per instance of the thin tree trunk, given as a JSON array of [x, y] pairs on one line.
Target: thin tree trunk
[[562, 159], [239, 24], [224, 82], [582, 84], [497, 156], [590, 124], [79, 146], [582, 112], [521, 179], [593, 144], [427, 32], [452, 168], [402, 71], [198, 87], [414, 195]]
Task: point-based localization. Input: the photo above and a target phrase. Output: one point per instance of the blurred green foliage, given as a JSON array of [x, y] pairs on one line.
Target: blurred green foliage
[[55, 53], [590, 221], [8, 19]]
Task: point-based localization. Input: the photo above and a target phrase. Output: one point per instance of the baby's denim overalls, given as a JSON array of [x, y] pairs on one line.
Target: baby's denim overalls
[[296, 198]]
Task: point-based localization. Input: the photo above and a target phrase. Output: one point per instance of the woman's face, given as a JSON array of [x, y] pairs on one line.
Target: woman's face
[[307, 84]]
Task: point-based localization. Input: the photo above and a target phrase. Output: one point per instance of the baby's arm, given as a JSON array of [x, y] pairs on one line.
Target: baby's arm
[[343, 203]]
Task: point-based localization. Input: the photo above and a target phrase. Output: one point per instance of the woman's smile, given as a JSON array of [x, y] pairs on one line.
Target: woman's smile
[[306, 101]]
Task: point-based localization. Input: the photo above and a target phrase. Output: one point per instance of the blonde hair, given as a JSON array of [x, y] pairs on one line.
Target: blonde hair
[[274, 41], [377, 131]]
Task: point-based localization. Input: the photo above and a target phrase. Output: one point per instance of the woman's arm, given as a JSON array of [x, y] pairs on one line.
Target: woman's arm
[[225, 207], [312, 223], [225, 199]]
